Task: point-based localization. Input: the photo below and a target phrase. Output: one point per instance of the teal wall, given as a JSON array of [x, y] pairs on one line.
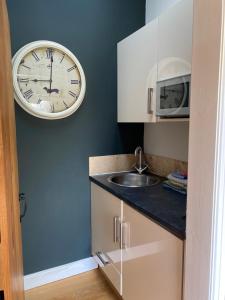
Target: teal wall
[[53, 155]]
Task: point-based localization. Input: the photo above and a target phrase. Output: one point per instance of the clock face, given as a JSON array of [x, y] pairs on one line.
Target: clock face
[[48, 80]]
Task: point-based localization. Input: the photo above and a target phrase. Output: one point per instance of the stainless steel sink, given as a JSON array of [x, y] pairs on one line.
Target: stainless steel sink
[[134, 180]]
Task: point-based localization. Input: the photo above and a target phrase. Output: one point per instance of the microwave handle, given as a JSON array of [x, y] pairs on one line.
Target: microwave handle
[[150, 95]]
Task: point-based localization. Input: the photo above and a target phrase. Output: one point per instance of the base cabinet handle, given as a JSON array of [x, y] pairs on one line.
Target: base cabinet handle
[[102, 257], [125, 235], [116, 230]]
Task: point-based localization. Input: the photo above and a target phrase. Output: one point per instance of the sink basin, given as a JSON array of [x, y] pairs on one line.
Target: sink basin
[[134, 180]]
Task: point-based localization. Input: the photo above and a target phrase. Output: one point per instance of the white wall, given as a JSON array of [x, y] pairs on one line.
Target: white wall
[[169, 139], [155, 7]]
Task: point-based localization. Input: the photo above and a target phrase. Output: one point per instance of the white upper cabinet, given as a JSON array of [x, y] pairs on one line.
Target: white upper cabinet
[[137, 74], [175, 41], [160, 50]]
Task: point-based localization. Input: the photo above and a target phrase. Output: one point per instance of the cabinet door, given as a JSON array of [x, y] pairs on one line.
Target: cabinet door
[[106, 215], [175, 40], [137, 75], [152, 260]]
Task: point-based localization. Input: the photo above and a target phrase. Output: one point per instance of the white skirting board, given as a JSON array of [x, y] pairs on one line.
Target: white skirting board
[[58, 273]]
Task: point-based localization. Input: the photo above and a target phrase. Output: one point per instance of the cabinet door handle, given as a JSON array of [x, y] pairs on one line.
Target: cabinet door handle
[[102, 258], [124, 235], [116, 225], [150, 95]]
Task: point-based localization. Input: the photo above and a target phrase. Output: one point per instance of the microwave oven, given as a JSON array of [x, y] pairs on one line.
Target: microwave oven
[[173, 97]]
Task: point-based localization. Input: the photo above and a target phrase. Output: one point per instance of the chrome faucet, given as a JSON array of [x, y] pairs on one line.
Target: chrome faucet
[[140, 164]]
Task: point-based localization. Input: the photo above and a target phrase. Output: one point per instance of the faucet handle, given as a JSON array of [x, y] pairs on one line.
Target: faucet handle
[[140, 165], [140, 170]]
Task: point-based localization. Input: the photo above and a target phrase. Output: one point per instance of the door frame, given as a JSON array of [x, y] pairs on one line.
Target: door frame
[[205, 243], [11, 261], [217, 268]]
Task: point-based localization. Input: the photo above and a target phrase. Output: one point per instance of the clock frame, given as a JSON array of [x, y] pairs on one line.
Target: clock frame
[[19, 96]]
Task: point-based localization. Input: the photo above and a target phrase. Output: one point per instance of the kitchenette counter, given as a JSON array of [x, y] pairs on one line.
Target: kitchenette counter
[[165, 207]]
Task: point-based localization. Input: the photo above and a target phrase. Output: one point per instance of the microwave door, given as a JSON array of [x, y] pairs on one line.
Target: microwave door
[[173, 98]]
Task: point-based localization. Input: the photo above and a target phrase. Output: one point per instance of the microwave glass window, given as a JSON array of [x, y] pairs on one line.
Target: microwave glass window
[[174, 96]]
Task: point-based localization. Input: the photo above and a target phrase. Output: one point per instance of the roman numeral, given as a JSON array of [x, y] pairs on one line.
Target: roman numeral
[[72, 68], [35, 56], [75, 81], [24, 80], [28, 94], [62, 58], [73, 94], [49, 53], [39, 101], [25, 67], [65, 104]]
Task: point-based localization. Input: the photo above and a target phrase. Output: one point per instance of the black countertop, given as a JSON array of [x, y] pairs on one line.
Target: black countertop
[[166, 208]]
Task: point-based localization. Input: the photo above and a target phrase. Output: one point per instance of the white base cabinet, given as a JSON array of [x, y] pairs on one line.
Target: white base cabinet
[[106, 212], [152, 260], [141, 259]]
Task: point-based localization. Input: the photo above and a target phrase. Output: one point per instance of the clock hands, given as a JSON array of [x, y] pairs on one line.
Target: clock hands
[[42, 80], [50, 87], [25, 78], [50, 90]]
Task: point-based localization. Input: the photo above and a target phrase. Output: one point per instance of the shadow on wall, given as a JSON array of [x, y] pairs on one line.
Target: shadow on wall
[[127, 134]]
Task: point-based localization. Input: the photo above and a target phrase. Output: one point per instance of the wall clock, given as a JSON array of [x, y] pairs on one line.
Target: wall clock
[[48, 80]]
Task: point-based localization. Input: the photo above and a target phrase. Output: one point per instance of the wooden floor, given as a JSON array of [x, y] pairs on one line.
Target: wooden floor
[[87, 286]]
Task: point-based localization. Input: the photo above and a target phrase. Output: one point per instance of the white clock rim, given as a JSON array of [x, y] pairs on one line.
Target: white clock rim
[[19, 96]]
